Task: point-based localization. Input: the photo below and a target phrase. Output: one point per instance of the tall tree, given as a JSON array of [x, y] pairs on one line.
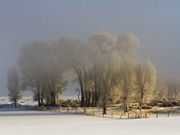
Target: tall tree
[[127, 83], [109, 78], [146, 80]]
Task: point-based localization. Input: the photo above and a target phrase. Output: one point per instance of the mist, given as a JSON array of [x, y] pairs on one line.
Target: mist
[[152, 29]]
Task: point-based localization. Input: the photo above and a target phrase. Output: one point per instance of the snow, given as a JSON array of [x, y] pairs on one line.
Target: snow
[[26, 100], [49, 123]]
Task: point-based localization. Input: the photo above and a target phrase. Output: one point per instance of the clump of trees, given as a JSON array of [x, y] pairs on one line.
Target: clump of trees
[[107, 69], [42, 69]]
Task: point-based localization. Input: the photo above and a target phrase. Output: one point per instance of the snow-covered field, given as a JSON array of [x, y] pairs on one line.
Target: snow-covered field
[[45, 123]]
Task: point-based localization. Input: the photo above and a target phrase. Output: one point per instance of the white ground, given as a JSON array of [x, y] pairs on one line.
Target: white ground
[[26, 100], [42, 123]]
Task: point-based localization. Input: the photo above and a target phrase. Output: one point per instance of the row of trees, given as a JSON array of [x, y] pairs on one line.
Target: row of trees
[[106, 67]]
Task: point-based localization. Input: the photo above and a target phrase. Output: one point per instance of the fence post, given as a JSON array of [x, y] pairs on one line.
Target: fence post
[[168, 114], [157, 115], [145, 115], [120, 115], [84, 110], [76, 109], [59, 108], [68, 109], [112, 114]]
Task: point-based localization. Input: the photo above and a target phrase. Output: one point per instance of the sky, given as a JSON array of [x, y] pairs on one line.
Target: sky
[[155, 22]]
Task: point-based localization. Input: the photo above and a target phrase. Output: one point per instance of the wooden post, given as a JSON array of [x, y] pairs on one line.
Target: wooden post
[[59, 108], [68, 109], [112, 114], [76, 109], [157, 115], [84, 110], [145, 115], [120, 115]]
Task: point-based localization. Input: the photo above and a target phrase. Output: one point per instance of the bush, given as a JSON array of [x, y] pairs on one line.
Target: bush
[[147, 107], [70, 103]]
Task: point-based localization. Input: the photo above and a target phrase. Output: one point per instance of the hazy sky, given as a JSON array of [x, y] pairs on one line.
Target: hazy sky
[[155, 22]]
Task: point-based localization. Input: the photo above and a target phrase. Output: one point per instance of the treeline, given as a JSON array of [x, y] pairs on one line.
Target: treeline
[[107, 69]]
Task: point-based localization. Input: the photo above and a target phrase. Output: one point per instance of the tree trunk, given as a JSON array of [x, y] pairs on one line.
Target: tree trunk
[[104, 110], [86, 98], [15, 103], [141, 101], [89, 99], [125, 105], [54, 101], [93, 99], [82, 93], [38, 98], [96, 99], [140, 106], [41, 101], [104, 105], [42, 96]]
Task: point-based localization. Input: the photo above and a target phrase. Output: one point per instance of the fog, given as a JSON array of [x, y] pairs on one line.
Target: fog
[[154, 23]]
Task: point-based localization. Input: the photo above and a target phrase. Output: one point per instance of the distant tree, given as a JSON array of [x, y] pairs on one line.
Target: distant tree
[[13, 85], [161, 89], [173, 90]]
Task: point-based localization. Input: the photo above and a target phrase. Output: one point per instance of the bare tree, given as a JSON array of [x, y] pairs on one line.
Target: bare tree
[[161, 89], [13, 85]]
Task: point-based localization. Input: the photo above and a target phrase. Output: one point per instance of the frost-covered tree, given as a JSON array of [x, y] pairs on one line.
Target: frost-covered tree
[[126, 85], [173, 90], [105, 69], [32, 63], [127, 45], [146, 80], [42, 70]]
